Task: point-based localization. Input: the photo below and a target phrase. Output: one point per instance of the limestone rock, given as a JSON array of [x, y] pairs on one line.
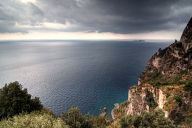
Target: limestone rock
[[186, 37], [168, 68], [172, 60]]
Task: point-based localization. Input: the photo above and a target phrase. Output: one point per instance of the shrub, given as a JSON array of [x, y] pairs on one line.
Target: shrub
[[150, 99], [120, 110], [178, 99], [188, 122], [15, 100], [98, 121], [188, 86], [153, 119], [38, 119], [74, 118]]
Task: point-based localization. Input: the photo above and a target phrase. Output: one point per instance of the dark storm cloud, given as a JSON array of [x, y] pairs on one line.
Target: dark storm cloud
[[13, 12], [117, 16], [135, 16]]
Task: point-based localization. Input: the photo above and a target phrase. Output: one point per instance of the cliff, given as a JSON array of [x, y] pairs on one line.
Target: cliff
[[171, 62], [165, 84], [143, 98]]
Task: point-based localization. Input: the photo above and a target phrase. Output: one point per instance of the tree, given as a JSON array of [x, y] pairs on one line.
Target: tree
[[15, 100], [75, 119]]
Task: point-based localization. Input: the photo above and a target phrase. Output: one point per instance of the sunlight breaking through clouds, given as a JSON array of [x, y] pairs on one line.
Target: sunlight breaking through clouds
[[28, 1], [45, 25], [128, 17]]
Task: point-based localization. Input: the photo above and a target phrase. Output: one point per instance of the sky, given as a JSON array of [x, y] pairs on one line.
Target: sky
[[93, 19]]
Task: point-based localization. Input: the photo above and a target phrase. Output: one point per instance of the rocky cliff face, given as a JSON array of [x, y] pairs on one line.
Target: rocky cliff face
[[171, 61], [143, 98], [186, 37], [166, 82]]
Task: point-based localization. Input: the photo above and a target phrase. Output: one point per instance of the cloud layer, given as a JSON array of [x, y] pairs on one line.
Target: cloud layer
[[115, 16]]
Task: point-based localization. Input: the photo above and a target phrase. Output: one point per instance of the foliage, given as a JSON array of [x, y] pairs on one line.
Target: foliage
[[153, 119], [75, 119], [120, 110], [15, 100], [174, 97], [187, 122], [98, 121], [156, 79], [188, 86], [178, 99], [114, 124], [150, 100], [37, 119]]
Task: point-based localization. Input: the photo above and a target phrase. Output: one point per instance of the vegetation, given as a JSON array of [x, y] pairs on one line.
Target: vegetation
[[153, 119], [188, 87], [180, 110], [120, 110], [15, 100], [19, 110], [150, 100], [175, 98], [158, 80], [187, 122], [37, 119], [75, 119], [178, 99]]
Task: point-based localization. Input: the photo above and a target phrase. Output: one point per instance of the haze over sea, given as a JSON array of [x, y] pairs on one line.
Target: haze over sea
[[87, 74]]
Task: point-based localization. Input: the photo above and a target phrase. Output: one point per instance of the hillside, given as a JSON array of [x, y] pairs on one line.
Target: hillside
[[172, 64], [165, 83]]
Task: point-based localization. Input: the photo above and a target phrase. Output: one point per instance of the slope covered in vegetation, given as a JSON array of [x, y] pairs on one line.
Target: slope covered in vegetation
[[73, 118]]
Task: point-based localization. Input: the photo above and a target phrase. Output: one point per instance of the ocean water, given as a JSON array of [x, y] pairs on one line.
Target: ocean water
[[87, 74]]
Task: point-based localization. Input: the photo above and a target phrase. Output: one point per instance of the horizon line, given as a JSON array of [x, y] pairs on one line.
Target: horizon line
[[87, 40]]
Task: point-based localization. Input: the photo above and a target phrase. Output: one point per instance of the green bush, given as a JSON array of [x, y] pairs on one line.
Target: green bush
[[150, 99], [38, 119], [15, 100], [75, 119], [158, 80], [187, 122], [178, 99], [153, 119], [98, 121], [188, 86]]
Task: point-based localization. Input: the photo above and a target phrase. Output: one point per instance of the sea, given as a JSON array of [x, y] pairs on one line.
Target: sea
[[89, 75]]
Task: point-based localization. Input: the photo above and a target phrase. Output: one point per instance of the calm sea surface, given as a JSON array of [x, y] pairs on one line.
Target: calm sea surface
[[87, 74]]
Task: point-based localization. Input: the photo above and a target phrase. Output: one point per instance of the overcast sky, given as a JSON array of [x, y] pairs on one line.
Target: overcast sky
[[93, 19]]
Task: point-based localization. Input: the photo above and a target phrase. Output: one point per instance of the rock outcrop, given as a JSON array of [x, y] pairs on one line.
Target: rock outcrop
[[165, 82], [143, 98], [173, 60], [186, 37]]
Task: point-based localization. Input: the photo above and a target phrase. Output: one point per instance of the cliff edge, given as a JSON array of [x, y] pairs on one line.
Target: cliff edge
[[165, 84], [171, 62]]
